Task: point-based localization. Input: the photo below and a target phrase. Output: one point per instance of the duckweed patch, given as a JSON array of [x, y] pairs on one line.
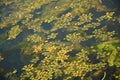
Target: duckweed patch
[[59, 39]]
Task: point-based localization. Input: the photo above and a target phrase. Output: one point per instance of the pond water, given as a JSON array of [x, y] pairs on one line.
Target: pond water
[[60, 40]]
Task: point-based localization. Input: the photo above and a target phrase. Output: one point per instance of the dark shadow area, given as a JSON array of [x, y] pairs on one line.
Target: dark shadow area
[[112, 3], [109, 72], [93, 58], [46, 26], [61, 34], [89, 42], [11, 61], [72, 53]]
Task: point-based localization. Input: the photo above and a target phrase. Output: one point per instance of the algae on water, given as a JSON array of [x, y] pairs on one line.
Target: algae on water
[[59, 39]]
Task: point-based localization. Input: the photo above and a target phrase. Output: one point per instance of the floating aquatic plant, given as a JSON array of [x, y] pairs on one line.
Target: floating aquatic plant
[[60, 37]]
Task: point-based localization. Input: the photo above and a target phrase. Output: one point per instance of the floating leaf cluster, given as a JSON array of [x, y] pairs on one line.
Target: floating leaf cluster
[[60, 37]]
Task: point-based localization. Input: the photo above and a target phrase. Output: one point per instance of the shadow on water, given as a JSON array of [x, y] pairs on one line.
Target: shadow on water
[[112, 3], [12, 55], [46, 26]]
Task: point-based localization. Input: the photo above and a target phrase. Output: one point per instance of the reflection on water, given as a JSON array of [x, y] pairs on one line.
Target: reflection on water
[[59, 40]]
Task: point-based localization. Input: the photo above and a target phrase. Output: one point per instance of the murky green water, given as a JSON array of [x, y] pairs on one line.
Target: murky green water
[[60, 40]]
